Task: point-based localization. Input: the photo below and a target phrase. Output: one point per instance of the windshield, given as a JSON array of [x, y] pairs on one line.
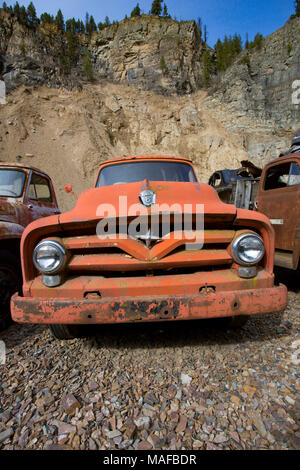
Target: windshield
[[11, 183], [281, 176], [133, 172]]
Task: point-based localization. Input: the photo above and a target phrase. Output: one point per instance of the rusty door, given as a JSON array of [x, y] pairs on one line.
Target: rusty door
[[40, 199], [279, 198]]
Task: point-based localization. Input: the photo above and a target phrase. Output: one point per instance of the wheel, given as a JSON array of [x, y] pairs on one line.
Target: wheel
[[236, 321], [10, 283], [68, 331]]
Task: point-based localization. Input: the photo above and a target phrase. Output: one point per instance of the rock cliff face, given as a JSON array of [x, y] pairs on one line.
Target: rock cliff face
[[29, 57], [153, 53], [247, 114], [253, 98], [259, 83], [161, 55]]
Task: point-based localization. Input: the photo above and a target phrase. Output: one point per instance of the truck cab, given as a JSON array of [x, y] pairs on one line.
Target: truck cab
[[26, 194], [278, 198], [148, 243]]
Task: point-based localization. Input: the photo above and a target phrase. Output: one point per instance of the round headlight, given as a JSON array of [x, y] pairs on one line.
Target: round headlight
[[49, 257], [248, 249]]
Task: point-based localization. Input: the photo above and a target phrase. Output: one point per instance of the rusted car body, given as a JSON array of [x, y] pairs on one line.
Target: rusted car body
[[238, 186], [233, 189], [147, 277], [20, 204], [278, 198], [277, 195]]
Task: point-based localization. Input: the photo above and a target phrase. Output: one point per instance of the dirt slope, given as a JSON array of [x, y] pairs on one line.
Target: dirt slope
[[67, 134]]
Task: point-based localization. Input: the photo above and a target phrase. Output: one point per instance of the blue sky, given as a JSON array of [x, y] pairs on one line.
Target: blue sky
[[221, 16]]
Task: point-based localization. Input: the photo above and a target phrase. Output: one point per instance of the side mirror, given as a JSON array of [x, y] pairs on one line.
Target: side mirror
[[69, 189]]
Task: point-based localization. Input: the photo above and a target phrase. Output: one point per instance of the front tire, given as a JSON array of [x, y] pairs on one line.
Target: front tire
[[67, 332], [10, 283]]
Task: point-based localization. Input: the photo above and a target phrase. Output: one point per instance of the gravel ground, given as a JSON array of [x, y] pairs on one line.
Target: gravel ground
[[189, 385]]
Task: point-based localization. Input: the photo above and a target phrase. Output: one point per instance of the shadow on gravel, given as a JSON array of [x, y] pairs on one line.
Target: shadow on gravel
[[163, 334], [16, 334], [186, 333], [288, 277], [174, 334]]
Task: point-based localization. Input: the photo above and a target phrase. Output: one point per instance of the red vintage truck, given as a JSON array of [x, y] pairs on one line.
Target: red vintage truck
[[26, 194], [120, 255]]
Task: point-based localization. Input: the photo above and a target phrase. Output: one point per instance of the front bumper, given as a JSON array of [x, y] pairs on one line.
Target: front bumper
[[148, 308]]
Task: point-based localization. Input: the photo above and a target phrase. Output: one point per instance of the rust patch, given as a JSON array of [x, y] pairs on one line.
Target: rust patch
[[68, 311], [235, 304]]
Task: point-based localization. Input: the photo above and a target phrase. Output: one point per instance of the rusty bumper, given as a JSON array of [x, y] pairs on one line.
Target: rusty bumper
[[145, 309]]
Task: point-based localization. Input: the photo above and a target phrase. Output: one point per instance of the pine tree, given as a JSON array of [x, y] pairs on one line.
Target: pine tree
[[237, 44], [92, 25], [199, 26], [23, 15], [219, 51], [136, 11], [87, 21], [71, 26], [106, 21], [16, 10], [257, 42], [165, 11], [205, 33], [46, 18], [81, 27], [247, 42], [59, 21], [87, 65], [297, 7], [4, 6], [72, 46], [31, 15], [226, 51], [156, 7], [207, 67]]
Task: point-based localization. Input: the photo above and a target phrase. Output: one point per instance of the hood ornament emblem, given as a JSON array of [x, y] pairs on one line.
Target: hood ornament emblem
[[147, 198]]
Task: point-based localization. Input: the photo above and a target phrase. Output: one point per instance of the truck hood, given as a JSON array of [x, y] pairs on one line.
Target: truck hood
[[91, 204]]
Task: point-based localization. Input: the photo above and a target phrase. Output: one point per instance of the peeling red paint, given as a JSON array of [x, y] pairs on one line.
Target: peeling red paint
[[145, 309]]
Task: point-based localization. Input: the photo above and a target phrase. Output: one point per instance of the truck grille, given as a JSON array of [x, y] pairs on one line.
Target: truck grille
[[92, 254]]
